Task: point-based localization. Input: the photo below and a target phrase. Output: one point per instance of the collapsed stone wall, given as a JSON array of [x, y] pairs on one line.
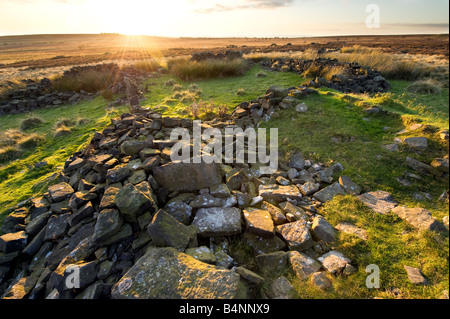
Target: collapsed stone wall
[[134, 224], [37, 95], [353, 78], [208, 55]]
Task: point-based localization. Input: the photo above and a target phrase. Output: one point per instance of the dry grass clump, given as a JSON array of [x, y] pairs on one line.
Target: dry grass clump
[[13, 142], [206, 111], [90, 81], [65, 122], [30, 141], [62, 131], [427, 86], [9, 153], [10, 137], [189, 70], [30, 122]]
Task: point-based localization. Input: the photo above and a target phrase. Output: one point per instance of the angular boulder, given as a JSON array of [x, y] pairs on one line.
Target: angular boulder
[[187, 176], [329, 192], [218, 221], [303, 265], [279, 193], [259, 222], [166, 231], [60, 192], [132, 202], [322, 230], [165, 273], [297, 235]]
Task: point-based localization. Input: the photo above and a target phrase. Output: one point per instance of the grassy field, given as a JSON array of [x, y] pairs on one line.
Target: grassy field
[[335, 129]]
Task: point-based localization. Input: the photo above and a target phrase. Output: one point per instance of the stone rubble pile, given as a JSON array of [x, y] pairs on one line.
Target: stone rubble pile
[[35, 95], [136, 225], [38, 95], [351, 78]]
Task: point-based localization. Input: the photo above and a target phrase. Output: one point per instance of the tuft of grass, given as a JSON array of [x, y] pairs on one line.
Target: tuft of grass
[[427, 86], [30, 142], [189, 70], [10, 137], [62, 130], [240, 92], [170, 82], [177, 87], [65, 122], [261, 74], [206, 111], [30, 122], [9, 153]]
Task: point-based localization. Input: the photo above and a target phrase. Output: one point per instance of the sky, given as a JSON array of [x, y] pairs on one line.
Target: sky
[[231, 18]]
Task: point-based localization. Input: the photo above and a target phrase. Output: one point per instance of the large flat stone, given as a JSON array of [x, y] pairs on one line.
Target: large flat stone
[[296, 235], [259, 222], [379, 201], [166, 231], [279, 193], [187, 176], [419, 218], [165, 273], [60, 192], [329, 192], [218, 221], [303, 265]]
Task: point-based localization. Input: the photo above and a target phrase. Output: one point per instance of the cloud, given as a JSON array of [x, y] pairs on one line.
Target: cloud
[[246, 4]]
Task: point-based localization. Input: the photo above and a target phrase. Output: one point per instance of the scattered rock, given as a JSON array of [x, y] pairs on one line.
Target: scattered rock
[[419, 218], [334, 261], [352, 229], [320, 280], [296, 235], [415, 276], [303, 265], [380, 202]]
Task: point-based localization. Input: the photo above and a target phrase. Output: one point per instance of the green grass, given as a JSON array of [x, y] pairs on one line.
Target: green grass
[[391, 244], [221, 91], [17, 180]]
